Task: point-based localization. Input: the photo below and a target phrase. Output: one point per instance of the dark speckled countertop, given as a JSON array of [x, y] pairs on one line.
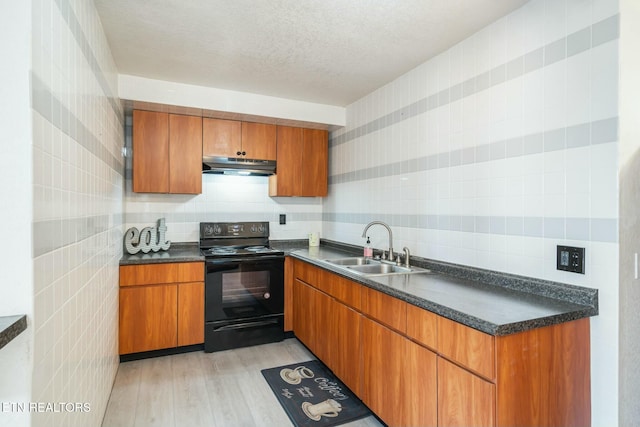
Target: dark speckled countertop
[[178, 252], [492, 302], [11, 327]]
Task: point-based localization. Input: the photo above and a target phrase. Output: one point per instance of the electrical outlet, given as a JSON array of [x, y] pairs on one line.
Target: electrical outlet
[[570, 259], [283, 218]]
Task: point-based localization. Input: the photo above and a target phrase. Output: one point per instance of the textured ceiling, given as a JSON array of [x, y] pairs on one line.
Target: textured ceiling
[[324, 51]]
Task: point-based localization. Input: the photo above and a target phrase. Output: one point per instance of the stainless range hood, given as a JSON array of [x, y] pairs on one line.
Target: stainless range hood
[[238, 166]]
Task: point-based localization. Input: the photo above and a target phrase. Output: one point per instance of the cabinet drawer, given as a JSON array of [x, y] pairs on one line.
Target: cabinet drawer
[[153, 274], [385, 309], [422, 326], [471, 348], [306, 273], [346, 291]]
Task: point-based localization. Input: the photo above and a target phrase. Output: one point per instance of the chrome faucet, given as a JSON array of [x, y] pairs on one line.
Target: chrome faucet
[[407, 254], [364, 234]]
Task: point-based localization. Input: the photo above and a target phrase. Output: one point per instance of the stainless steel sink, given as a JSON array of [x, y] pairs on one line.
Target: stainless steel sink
[[350, 261], [371, 267]]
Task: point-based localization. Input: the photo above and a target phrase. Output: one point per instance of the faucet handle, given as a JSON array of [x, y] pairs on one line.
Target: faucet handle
[[384, 255]]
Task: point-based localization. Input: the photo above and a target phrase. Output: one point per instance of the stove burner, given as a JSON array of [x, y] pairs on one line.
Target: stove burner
[[222, 251], [258, 249]]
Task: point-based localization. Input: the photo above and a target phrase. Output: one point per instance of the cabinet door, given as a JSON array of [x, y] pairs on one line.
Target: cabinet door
[[259, 141], [190, 313], [304, 313], [382, 371], [148, 318], [344, 345], [463, 398], [185, 154], [289, 277], [302, 156], [150, 152], [288, 180], [221, 138], [315, 163]]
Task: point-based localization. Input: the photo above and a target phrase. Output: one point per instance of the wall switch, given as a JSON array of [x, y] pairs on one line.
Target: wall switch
[[283, 218], [571, 259]]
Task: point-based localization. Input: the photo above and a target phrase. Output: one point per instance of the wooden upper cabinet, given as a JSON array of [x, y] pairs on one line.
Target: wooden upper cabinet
[[232, 138], [150, 152], [303, 156], [258, 141], [185, 154], [167, 153], [221, 138]]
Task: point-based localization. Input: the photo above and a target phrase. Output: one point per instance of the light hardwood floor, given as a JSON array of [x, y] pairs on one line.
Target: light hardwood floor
[[224, 389]]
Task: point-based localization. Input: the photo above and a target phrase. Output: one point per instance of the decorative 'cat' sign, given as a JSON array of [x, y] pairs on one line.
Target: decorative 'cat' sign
[[149, 239]]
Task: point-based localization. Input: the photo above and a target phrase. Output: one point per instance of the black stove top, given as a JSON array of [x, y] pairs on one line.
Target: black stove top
[[232, 239]]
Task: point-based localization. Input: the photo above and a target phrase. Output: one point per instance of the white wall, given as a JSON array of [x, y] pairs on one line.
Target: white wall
[[78, 181], [142, 89], [493, 153], [629, 159], [16, 286]]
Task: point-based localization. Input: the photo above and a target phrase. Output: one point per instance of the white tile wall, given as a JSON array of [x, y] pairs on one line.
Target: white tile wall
[[508, 166], [77, 211]]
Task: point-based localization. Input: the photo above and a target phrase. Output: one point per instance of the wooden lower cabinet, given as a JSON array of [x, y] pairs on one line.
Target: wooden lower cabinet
[[344, 344], [464, 399], [398, 377], [304, 313], [148, 318], [413, 367], [190, 313], [161, 306]]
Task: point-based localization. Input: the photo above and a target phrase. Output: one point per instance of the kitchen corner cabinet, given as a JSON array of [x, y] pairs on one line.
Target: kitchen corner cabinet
[[167, 153], [302, 163], [232, 138], [413, 367], [161, 306]]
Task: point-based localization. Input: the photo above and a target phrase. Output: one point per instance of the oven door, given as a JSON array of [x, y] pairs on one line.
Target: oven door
[[244, 288]]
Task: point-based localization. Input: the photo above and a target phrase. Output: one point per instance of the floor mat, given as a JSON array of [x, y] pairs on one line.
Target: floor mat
[[312, 396]]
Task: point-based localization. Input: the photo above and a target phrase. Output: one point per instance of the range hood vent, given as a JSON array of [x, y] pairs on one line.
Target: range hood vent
[[238, 166]]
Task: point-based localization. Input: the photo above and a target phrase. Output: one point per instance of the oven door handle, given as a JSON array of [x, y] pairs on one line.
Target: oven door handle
[[247, 325]]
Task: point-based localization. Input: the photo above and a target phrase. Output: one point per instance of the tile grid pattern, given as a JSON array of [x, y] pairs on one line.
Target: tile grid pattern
[[495, 151], [77, 224]]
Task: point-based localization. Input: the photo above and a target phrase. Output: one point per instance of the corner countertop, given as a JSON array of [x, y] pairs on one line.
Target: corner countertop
[[178, 252], [494, 303], [11, 327]]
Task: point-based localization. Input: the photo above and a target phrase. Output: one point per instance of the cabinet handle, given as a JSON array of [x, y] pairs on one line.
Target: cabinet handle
[[244, 153], [238, 153]]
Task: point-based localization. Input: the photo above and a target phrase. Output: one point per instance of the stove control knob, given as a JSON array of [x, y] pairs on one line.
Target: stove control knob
[[261, 228], [208, 230], [217, 229], [253, 228]]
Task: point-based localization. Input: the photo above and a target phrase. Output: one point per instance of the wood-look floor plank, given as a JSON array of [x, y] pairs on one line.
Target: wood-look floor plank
[[155, 399], [121, 410], [222, 389], [191, 400]]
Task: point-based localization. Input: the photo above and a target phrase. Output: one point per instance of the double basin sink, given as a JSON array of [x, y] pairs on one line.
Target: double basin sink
[[372, 267]]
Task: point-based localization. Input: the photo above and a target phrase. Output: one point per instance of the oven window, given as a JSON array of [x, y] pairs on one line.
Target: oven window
[[245, 286]]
